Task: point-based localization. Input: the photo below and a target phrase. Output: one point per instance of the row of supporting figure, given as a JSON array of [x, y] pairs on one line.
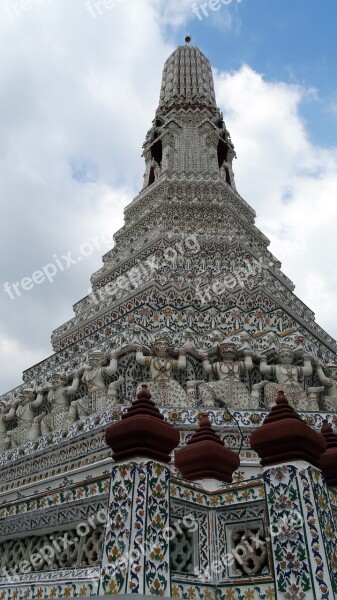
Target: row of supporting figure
[[224, 388], [227, 388]]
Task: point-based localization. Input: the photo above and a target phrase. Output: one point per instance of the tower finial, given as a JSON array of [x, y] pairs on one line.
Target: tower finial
[[187, 80]]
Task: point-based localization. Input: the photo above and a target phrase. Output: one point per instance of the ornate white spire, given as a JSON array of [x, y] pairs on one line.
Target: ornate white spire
[[189, 137], [227, 284], [187, 79]]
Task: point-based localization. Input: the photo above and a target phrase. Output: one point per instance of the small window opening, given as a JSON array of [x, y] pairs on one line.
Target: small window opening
[[222, 161], [156, 158]]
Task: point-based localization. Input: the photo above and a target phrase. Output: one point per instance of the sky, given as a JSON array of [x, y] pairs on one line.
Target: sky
[[79, 86]]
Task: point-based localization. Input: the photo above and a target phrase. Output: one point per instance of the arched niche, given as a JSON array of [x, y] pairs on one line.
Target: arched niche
[[156, 157], [223, 161]]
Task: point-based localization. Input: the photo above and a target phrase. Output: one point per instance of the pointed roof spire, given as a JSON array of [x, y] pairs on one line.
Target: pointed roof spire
[[205, 456], [187, 79], [285, 437], [142, 432]]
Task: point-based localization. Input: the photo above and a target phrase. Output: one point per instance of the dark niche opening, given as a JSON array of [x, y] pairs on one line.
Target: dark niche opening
[[222, 160], [156, 155], [157, 151], [222, 152]]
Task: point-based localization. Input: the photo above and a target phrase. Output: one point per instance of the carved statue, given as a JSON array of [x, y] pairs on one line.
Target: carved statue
[[164, 390], [156, 169], [286, 375], [229, 390], [94, 375], [58, 398], [224, 170], [28, 427], [329, 402], [7, 413]]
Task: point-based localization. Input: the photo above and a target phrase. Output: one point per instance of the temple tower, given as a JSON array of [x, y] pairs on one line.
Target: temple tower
[[190, 337]]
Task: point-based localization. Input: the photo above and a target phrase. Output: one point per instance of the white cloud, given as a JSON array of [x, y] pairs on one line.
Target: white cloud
[[176, 12], [223, 15]]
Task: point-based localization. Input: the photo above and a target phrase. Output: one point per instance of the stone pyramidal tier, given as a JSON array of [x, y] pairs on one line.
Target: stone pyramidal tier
[[190, 319]]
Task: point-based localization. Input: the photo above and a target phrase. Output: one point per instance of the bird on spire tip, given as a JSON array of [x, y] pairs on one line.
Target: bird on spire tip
[[188, 39]]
